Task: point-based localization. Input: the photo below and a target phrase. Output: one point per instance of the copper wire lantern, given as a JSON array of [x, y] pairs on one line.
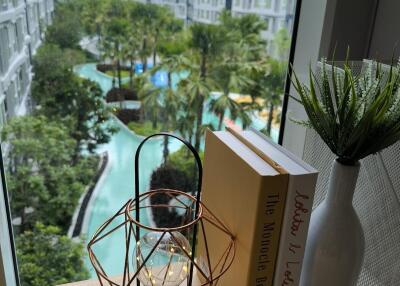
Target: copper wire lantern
[[165, 256]]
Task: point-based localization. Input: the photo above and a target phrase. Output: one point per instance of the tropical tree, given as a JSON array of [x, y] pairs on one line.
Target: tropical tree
[[281, 43], [142, 16], [268, 87], [170, 110], [46, 257], [42, 183], [223, 103], [150, 98], [206, 42], [50, 57], [61, 95], [245, 32], [274, 82], [232, 76], [93, 16], [166, 27], [130, 51], [66, 30], [115, 30]]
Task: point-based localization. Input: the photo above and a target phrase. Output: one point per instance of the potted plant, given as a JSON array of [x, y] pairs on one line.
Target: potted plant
[[356, 116]]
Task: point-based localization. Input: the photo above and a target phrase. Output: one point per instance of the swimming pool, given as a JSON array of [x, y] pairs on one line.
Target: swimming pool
[[117, 183]]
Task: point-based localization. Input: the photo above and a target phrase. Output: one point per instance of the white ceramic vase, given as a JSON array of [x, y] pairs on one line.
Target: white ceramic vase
[[335, 244]]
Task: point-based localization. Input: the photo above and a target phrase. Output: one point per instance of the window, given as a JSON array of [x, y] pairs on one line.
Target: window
[[20, 83], [3, 5], [66, 154], [3, 114], [283, 4], [267, 21], [4, 48]]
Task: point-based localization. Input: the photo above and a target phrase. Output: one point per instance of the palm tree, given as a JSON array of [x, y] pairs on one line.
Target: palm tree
[[230, 77], [115, 30], [246, 31], [196, 89], [142, 16], [171, 96], [130, 51], [118, 28], [206, 42], [150, 98], [170, 110], [166, 29], [274, 83], [224, 103]]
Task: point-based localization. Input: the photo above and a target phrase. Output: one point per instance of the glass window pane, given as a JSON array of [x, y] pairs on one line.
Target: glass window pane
[[107, 73]]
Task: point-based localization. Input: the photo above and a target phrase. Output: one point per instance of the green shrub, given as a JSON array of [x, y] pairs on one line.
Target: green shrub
[[184, 160], [124, 73], [167, 177], [46, 257], [143, 128]]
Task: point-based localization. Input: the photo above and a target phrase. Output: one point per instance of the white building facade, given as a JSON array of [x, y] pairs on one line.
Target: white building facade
[[22, 24], [277, 14]]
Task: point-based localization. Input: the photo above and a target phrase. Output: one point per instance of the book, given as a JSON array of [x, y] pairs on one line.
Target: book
[[248, 195], [298, 207]]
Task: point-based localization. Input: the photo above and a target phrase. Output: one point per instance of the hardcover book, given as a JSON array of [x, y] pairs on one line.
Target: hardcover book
[[298, 207], [248, 195]]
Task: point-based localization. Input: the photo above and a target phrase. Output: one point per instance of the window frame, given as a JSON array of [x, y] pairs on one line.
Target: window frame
[[7, 221], [313, 30], [299, 14]]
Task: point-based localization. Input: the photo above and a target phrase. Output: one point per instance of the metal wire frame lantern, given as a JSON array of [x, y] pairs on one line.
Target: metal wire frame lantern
[[167, 244]]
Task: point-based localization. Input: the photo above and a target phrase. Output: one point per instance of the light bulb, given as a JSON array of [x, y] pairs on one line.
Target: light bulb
[[168, 264]]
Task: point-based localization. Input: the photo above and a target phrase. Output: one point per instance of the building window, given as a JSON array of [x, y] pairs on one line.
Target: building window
[[5, 108], [3, 114], [283, 4], [4, 48], [264, 4], [3, 5], [267, 21]]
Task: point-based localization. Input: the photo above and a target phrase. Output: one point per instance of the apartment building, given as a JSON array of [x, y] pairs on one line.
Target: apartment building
[[22, 24], [277, 14]]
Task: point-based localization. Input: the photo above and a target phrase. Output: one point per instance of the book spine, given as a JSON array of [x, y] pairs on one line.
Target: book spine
[[268, 227], [294, 232]]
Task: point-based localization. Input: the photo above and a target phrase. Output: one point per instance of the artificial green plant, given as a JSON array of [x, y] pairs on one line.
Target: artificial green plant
[[355, 115]]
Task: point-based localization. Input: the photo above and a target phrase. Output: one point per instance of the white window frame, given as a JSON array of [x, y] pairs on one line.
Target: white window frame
[[308, 47]]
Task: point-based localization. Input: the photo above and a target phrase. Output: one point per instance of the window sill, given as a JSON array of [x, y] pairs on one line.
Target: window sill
[[95, 282]]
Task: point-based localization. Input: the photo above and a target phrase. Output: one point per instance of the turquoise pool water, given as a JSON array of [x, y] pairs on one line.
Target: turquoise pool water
[[117, 184]]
